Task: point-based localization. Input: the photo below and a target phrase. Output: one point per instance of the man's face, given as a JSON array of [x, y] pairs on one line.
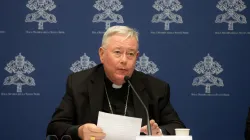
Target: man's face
[[118, 57]]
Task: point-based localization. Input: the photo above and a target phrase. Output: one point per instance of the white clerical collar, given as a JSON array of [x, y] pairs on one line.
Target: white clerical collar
[[116, 86]]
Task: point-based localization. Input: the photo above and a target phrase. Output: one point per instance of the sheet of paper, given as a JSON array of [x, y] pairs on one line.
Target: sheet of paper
[[164, 138], [119, 127]]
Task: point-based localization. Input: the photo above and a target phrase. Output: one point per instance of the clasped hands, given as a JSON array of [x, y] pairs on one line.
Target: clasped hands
[[90, 131]]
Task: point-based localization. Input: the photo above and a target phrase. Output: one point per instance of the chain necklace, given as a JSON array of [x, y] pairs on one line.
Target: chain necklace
[[110, 107]]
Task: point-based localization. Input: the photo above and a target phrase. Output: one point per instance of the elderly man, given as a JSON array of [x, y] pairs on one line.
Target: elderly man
[[102, 88]]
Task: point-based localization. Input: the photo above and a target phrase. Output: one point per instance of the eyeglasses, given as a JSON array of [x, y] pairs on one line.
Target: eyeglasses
[[130, 54]]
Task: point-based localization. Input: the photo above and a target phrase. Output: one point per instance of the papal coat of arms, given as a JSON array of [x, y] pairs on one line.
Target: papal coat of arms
[[19, 67], [167, 7], [207, 69], [108, 16], [146, 66], [41, 15], [82, 64], [231, 7]]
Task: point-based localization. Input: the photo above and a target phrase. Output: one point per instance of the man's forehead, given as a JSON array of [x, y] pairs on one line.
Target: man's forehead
[[121, 45], [122, 48], [121, 38]]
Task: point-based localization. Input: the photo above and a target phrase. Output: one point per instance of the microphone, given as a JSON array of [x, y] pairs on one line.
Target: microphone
[[126, 78]]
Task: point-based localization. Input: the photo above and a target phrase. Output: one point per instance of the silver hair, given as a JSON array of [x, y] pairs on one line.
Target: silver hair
[[123, 30]]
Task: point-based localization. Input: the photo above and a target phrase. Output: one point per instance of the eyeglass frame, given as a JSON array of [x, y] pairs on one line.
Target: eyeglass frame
[[119, 53]]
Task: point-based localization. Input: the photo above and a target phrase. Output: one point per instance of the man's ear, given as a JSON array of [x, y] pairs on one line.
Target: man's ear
[[101, 54], [137, 54]]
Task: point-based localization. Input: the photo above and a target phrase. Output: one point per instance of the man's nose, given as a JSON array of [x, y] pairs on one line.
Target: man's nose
[[124, 58]]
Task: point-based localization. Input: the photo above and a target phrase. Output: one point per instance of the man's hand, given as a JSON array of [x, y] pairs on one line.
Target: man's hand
[[88, 130], [156, 131]]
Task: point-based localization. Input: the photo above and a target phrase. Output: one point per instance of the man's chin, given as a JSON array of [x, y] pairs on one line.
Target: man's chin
[[120, 79]]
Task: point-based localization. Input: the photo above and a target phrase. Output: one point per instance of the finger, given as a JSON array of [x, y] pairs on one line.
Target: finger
[[154, 126], [152, 122], [94, 128], [99, 139], [98, 135], [95, 138], [157, 132], [86, 137], [144, 129]]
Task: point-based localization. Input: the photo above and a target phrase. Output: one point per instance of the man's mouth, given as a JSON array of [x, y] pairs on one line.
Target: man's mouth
[[122, 70]]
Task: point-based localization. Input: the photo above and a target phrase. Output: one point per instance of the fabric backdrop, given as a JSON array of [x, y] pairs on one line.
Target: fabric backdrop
[[200, 47]]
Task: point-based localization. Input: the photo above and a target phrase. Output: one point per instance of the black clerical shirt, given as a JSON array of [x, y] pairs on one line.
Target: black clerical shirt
[[117, 98]]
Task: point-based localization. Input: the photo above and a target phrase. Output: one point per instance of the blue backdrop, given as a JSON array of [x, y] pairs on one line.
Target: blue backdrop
[[200, 47]]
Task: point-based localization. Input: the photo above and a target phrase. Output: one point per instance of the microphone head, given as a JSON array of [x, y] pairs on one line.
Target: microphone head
[[126, 78]]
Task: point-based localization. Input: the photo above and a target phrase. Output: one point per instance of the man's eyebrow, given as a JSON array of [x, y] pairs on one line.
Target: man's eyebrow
[[132, 49]]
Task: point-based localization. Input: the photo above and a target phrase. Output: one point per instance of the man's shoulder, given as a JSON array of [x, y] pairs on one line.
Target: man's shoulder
[[84, 75]]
